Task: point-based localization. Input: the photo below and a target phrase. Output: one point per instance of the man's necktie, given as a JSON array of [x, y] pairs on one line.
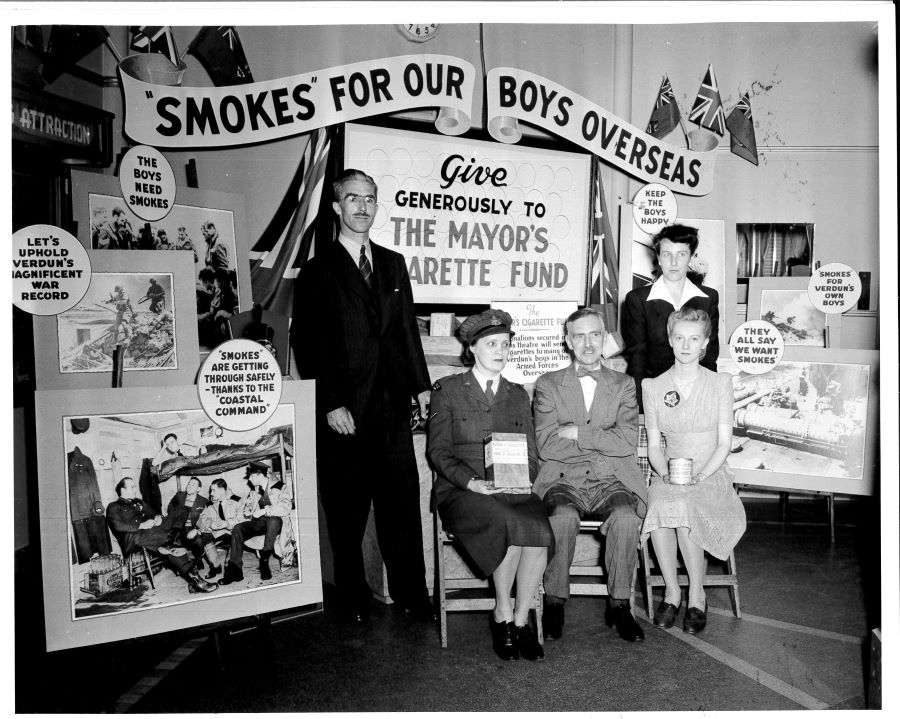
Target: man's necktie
[[221, 511], [593, 373], [365, 266], [488, 392]]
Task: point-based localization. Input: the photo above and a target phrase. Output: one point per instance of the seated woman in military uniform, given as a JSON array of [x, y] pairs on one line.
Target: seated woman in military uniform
[[504, 532]]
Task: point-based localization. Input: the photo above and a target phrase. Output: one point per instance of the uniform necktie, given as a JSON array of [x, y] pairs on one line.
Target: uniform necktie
[[221, 511], [364, 266], [488, 392], [592, 373]]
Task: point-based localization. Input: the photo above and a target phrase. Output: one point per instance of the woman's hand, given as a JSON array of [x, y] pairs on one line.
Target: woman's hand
[[480, 486], [697, 478]]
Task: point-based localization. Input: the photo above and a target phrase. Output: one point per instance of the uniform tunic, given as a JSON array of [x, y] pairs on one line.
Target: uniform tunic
[[485, 525]]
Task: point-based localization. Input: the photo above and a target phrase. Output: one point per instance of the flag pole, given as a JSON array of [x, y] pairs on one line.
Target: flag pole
[[115, 51], [687, 137]]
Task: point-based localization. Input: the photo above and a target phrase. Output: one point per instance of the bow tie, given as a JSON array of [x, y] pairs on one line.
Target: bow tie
[[592, 373]]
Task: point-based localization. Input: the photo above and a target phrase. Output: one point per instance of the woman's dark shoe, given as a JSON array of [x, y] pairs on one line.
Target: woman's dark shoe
[[529, 646], [695, 619], [665, 614], [504, 637]]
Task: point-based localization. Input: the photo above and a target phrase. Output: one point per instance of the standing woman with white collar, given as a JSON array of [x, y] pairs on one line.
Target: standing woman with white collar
[[504, 532], [646, 309]]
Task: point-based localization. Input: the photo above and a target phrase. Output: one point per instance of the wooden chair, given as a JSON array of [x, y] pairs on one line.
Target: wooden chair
[[137, 563], [727, 579], [455, 594], [587, 580]]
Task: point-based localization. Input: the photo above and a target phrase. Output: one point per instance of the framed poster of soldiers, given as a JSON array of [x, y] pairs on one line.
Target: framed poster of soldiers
[[785, 303], [141, 302], [207, 226], [153, 520], [478, 222], [810, 423]]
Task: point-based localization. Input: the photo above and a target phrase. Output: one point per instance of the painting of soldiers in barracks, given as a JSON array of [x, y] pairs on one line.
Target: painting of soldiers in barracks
[[804, 418], [166, 508], [133, 311]]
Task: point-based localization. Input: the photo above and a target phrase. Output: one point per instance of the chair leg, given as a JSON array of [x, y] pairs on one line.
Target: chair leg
[[441, 586], [149, 568], [539, 612], [733, 589], [648, 592]]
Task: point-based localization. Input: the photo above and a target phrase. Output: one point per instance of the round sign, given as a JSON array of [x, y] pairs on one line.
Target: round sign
[[756, 346], [51, 270], [239, 385], [654, 207], [834, 288], [147, 182]]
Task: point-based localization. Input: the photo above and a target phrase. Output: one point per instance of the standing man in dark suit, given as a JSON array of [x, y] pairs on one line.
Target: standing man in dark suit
[[354, 331]]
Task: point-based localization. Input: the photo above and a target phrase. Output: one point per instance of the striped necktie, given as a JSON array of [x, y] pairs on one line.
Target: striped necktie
[[365, 266]]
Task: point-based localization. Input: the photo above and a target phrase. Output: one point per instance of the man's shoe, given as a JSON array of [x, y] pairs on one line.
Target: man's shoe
[[197, 585], [232, 574], [504, 638], [619, 615], [665, 614], [264, 571], [213, 572], [553, 620], [695, 620], [529, 646], [421, 611]]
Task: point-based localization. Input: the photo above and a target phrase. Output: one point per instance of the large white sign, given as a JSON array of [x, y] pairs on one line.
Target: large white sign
[[539, 344], [478, 221]]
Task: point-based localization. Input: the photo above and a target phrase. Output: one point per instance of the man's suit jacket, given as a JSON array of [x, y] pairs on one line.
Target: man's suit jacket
[[608, 432], [358, 342], [646, 337]]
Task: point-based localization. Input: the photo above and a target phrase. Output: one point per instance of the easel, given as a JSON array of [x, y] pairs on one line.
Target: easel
[[783, 496]]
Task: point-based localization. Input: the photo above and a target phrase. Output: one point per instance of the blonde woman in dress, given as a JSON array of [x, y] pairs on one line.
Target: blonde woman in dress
[[693, 408]]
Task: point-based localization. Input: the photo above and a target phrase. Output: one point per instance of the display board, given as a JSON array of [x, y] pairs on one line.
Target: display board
[[478, 221], [157, 325], [91, 441], [810, 423], [210, 226]]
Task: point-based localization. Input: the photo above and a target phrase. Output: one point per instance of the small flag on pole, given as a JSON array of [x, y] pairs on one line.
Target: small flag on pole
[[219, 50], [743, 136], [707, 110], [154, 38], [665, 115]]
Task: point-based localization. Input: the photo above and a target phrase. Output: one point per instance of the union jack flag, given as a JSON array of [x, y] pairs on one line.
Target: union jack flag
[[665, 114], [154, 38], [707, 110], [604, 272], [289, 240]]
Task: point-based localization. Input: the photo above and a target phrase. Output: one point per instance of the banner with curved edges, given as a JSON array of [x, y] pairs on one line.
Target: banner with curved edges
[[162, 115], [515, 95]]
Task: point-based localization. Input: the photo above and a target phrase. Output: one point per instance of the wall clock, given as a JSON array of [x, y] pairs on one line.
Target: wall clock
[[419, 32]]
